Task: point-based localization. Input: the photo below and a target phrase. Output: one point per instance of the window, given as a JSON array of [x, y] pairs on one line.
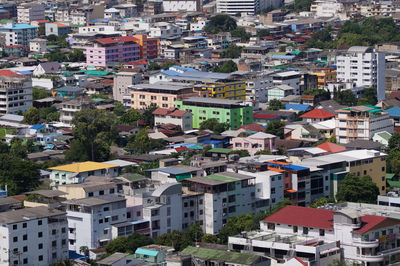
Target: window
[[24, 225], [54, 255], [40, 234], [54, 231], [39, 222], [40, 258], [54, 243], [114, 218], [25, 249], [90, 194], [15, 239], [138, 213], [112, 190], [40, 246], [25, 237], [101, 192], [295, 229], [63, 242], [305, 230], [63, 230], [15, 227], [25, 261], [321, 232], [106, 209]]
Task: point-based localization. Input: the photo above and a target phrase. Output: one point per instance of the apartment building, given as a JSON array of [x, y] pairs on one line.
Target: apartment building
[[163, 94], [78, 172], [38, 45], [334, 167], [324, 76], [363, 66], [225, 195], [90, 220], [70, 107], [357, 233], [122, 81], [113, 50], [255, 142], [361, 122], [163, 116], [88, 189], [148, 46], [181, 5], [233, 8], [15, 34], [289, 78], [33, 236], [15, 92], [279, 92], [235, 113], [28, 12]]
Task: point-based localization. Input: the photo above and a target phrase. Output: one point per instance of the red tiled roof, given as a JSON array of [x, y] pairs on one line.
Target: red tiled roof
[[111, 40], [301, 261], [318, 113], [181, 149], [264, 116], [331, 147], [178, 113], [253, 127], [15, 45], [369, 222], [136, 63], [8, 73], [394, 95], [303, 216], [161, 111]]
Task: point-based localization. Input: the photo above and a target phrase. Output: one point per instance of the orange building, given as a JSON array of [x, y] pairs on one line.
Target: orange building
[[148, 46], [325, 75]]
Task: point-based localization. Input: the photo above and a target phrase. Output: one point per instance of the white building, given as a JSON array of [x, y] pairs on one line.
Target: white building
[[164, 29], [90, 220], [112, 13], [29, 12], [15, 92], [327, 9], [33, 236], [19, 33], [363, 66], [361, 122], [181, 5], [317, 236], [289, 78], [176, 117], [257, 87], [38, 45], [248, 7], [198, 25], [121, 82]]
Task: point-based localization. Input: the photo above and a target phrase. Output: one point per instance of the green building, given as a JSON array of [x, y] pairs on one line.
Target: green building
[[226, 111]]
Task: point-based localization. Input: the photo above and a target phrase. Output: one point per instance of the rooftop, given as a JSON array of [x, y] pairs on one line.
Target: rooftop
[[27, 214], [318, 114], [83, 167], [94, 201]]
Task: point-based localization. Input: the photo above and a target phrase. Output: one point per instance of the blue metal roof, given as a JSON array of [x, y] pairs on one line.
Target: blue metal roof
[[148, 252], [297, 107], [286, 57], [393, 112], [69, 89], [75, 256], [19, 27], [212, 141], [170, 72], [37, 126]]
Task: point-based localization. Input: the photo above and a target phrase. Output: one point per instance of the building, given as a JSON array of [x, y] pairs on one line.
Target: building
[[360, 234], [225, 195], [30, 12], [88, 189], [70, 107], [33, 236], [122, 81], [78, 172], [289, 78], [177, 117], [163, 94], [317, 115], [16, 92], [47, 68], [181, 5], [363, 66], [38, 45], [361, 122], [256, 142], [56, 28], [148, 46], [247, 7], [324, 76], [18, 33], [235, 113], [90, 220], [279, 92], [113, 50]]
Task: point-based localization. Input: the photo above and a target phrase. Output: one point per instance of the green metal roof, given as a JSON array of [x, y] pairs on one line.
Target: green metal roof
[[220, 150], [97, 99], [96, 73], [389, 176], [148, 252], [221, 178], [385, 135], [393, 183], [221, 255]]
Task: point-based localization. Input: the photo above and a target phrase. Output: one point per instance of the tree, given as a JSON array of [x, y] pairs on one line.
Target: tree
[[394, 141], [302, 5], [276, 128], [263, 152], [38, 94], [346, 98], [370, 95], [241, 33], [55, 56], [130, 117], [357, 189], [263, 33], [18, 174], [94, 130], [119, 109], [148, 117], [220, 23], [275, 104], [42, 30], [154, 66], [321, 202], [17, 149], [76, 55], [128, 244], [232, 51], [209, 238], [241, 153], [227, 67], [214, 125], [32, 116], [168, 64], [143, 144]]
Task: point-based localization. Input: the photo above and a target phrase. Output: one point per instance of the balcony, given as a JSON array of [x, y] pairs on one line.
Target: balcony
[[366, 244], [368, 258]]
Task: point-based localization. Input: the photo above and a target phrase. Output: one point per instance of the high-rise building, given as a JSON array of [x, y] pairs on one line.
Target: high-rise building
[[15, 92], [30, 12], [18, 33], [148, 46], [363, 66], [245, 6]]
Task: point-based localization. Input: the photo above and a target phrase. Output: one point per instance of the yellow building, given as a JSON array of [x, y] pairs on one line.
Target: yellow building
[[324, 76], [232, 90], [88, 189]]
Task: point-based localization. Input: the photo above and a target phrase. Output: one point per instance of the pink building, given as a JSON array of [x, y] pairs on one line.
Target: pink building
[[112, 51], [256, 142]]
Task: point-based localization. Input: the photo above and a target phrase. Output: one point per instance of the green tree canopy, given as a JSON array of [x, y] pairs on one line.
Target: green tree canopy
[[220, 23], [38, 94], [357, 189], [345, 97], [214, 125], [76, 55], [276, 128], [232, 51], [32, 116], [130, 117], [263, 33], [275, 104], [227, 67], [119, 109], [241, 33], [128, 244]]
